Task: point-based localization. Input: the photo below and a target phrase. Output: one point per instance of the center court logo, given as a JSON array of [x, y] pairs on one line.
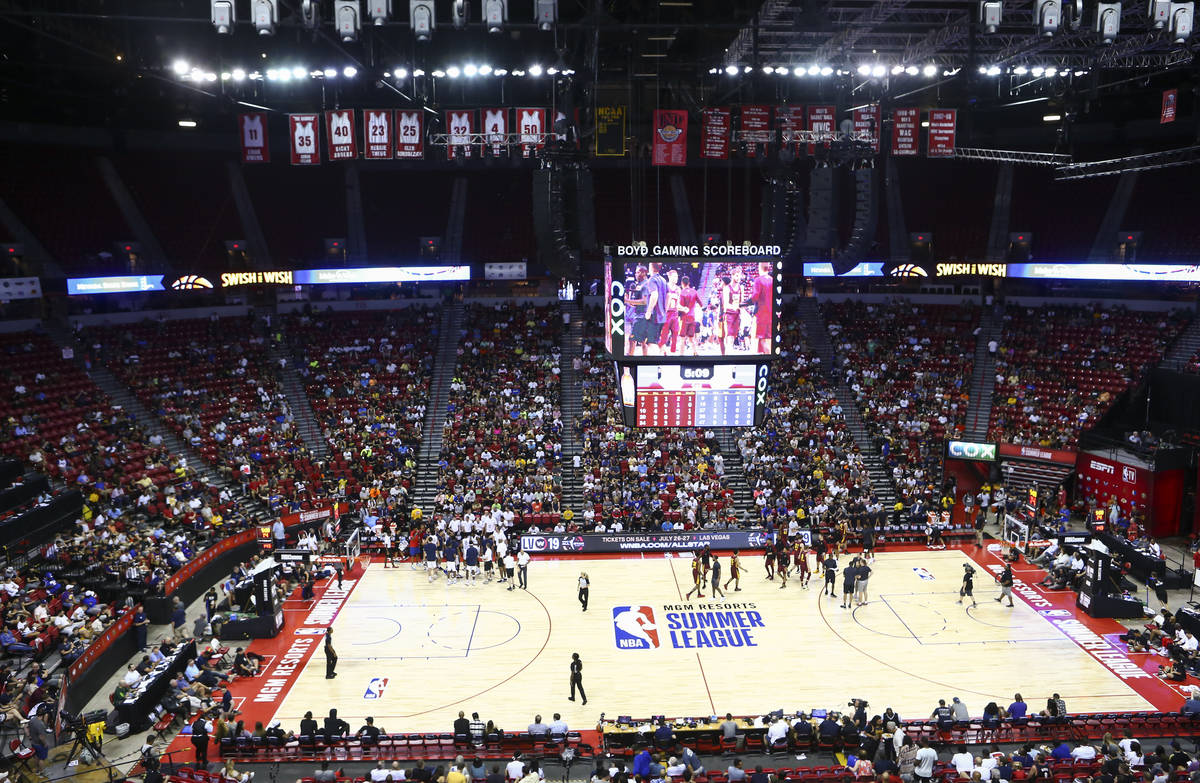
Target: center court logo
[[375, 688], [635, 627]]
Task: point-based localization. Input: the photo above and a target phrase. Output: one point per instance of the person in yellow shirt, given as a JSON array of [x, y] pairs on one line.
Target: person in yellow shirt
[[457, 773]]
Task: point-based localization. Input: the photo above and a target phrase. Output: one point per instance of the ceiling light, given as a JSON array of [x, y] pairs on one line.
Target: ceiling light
[[535, 70], [993, 70], [418, 72], [1051, 117], [930, 70], [826, 70], [552, 70], [1020, 70], [349, 72], [379, 11], [331, 73], [460, 14], [982, 70], [711, 71], [501, 72], [453, 72], [813, 70], [878, 71], [253, 76], [864, 70], [1038, 70], [225, 75], [439, 73], [1108, 21], [180, 67], [346, 19], [400, 73], [546, 13], [924, 123], [210, 77], [484, 70], [746, 69], [897, 70], [298, 72], [912, 70], [768, 69], [283, 75], [731, 70], [316, 73], [187, 123], [1080, 73], [1051, 70], [798, 71], [238, 74], [422, 19], [518, 73]]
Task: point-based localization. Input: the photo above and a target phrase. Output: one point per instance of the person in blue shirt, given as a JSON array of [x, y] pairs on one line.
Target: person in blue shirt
[[11, 645], [1062, 751], [471, 558], [641, 764], [1018, 708], [430, 548]]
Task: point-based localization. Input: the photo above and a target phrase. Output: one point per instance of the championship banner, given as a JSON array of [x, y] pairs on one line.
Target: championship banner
[[531, 125], [410, 136], [304, 132], [822, 119], [460, 124], [1169, 102], [790, 120], [495, 132], [756, 128], [339, 134], [904, 132], [714, 134], [377, 134], [942, 128], [610, 131], [670, 137], [252, 127], [866, 120]]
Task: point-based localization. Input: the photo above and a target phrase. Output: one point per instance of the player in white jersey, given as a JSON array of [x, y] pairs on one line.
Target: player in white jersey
[[488, 560]]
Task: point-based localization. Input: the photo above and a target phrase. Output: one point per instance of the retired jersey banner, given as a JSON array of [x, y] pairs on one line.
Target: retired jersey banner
[[1169, 103], [610, 131], [942, 129], [821, 119], [904, 131], [714, 134], [377, 134], [253, 130], [670, 137], [460, 124], [531, 125], [495, 131], [756, 128], [339, 134], [866, 120], [304, 131], [410, 134], [789, 120]]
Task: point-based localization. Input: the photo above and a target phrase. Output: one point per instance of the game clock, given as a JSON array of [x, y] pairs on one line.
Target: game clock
[[692, 395]]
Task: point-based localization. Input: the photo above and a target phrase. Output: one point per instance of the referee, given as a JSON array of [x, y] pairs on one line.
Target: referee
[[577, 678], [583, 589], [330, 655]]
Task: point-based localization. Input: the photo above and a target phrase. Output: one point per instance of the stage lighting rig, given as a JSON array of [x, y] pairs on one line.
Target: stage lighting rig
[[460, 13], [1047, 14], [422, 17], [1108, 21], [495, 14], [265, 14], [991, 12], [379, 11], [547, 14], [346, 19], [223, 16]]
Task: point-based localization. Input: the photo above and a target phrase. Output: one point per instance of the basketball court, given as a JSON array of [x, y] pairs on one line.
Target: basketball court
[[414, 653]]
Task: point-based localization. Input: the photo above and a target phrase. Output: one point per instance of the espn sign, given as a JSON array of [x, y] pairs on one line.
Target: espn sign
[[1103, 467], [961, 449]]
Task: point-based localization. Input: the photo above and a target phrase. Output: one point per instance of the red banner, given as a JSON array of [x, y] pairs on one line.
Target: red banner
[[822, 119], [670, 137], [714, 134], [377, 134], [866, 120], [942, 130], [339, 134], [790, 119], [531, 125], [1060, 456], [756, 128], [253, 130], [304, 136], [410, 135], [904, 132], [495, 131], [1170, 102], [460, 124]]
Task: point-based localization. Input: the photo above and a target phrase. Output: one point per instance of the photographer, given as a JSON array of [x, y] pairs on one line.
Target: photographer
[[860, 712]]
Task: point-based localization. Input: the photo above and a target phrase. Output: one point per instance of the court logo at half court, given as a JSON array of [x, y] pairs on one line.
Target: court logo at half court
[[375, 688], [635, 627]]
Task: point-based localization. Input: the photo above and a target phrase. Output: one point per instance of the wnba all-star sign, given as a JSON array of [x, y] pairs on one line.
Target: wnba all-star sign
[[670, 138]]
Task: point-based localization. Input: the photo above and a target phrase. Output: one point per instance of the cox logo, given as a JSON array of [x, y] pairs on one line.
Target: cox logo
[[616, 308], [964, 450]]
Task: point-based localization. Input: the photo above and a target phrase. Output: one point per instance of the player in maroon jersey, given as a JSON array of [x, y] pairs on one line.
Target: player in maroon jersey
[[697, 580], [782, 561], [769, 561], [688, 297], [669, 338], [801, 559], [731, 312], [761, 294]]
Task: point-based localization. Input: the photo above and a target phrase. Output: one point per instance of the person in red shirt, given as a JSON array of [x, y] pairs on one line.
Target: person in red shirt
[[697, 580], [688, 297], [668, 339], [761, 294]]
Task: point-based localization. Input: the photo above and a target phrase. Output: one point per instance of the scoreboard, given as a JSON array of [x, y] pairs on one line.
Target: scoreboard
[[693, 395]]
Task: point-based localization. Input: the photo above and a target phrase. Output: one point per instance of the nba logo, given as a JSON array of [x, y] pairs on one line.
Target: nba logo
[[635, 627], [1129, 474], [375, 688]]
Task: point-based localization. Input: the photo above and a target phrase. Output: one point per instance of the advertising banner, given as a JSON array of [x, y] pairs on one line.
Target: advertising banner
[[589, 543]]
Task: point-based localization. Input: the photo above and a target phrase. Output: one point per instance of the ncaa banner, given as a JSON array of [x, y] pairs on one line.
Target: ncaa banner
[[339, 135], [304, 132], [789, 119], [410, 138], [1170, 100], [821, 119], [252, 128], [904, 131], [460, 124], [495, 131], [377, 134], [610, 132], [866, 120], [756, 128], [531, 125], [670, 138], [942, 129], [714, 133]]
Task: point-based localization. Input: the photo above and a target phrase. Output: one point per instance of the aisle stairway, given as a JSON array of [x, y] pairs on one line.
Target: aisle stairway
[[444, 364], [121, 395], [571, 405], [983, 377], [817, 335], [1184, 348], [303, 418], [735, 473]]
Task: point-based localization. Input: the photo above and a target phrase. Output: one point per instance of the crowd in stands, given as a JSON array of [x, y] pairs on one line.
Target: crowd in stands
[[367, 377], [909, 367], [501, 442], [1060, 367]]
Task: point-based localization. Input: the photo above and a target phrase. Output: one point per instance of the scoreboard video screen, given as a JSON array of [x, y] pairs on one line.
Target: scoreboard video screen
[[681, 308], [693, 395]]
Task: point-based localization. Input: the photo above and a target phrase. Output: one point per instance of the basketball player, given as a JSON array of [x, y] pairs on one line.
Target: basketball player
[[656, 309], [669, 337], [784, 564], [735, 572], [769, 561], [716, 577], [731, 314], [697, 580], [431, 557], [489, 557], [471, 560], [831, 567], [705, 557], [636, 301], [688, 297], [761, 295], [968, 585], [849, 574], [386, 542], [801, 559], [861, 574]]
